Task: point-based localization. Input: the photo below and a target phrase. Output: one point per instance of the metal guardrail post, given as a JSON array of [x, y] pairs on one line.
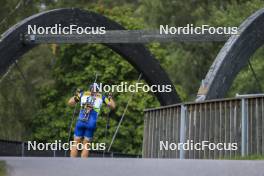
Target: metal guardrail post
[[22, 149], [244, 130], [54, 153], [182, 131]]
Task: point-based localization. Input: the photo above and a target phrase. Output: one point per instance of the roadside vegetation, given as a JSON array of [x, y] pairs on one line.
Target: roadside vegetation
[[3, 171]]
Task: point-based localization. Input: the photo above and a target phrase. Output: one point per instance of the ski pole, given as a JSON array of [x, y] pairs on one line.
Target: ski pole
[[107, 127], [122, 117], [70, 126]]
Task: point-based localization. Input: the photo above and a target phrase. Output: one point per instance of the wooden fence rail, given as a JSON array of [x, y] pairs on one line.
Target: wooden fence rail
[[236, 125]]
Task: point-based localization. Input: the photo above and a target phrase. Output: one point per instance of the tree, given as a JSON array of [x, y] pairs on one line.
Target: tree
[[76, 67]]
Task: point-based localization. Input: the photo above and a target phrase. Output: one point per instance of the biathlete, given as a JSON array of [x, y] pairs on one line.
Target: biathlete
[[91, 103]]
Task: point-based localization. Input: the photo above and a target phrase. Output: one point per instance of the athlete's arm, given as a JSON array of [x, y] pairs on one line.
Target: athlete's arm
[[110, 102], [72, 101], [75, 99]]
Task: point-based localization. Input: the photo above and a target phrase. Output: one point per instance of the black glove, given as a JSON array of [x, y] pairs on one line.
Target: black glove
[[77, 95], [110, 95]]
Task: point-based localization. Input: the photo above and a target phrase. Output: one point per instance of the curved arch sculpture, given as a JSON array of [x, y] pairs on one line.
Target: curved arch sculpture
[[233, 57], [11, 48]]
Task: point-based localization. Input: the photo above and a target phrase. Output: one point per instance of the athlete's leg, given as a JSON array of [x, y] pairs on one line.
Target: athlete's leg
[[74, 150], [88, 134], [88, 137], [78, 134], [86, 144]]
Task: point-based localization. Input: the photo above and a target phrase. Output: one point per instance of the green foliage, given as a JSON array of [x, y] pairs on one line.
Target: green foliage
[[250, 157], [245, 82], [12, 11], [76, 67], [18, 100], [3, 171]]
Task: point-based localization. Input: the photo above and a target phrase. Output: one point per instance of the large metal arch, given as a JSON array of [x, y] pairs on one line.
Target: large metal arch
[[11, 47], [234, 56]]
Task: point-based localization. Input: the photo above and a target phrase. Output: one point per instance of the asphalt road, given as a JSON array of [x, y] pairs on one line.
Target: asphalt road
[[28, 166]]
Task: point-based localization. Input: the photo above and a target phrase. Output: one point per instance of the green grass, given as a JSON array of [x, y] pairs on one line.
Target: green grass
[[2, 168], [250, 157]]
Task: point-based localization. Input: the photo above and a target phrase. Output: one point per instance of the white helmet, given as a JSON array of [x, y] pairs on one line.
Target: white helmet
[[94, 87]]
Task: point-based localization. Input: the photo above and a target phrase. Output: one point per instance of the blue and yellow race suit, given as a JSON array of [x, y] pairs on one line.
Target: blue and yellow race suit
[[86, 123]]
